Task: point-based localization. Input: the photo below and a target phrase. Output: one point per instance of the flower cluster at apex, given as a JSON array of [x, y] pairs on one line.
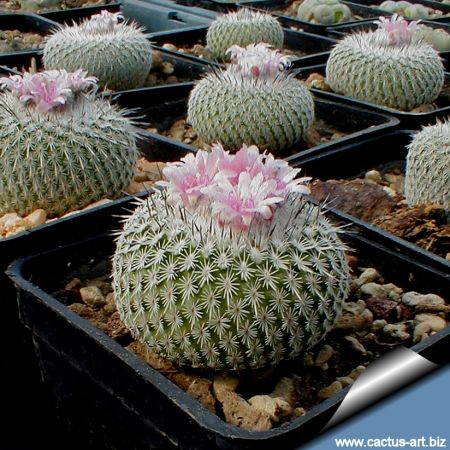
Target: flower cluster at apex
[[396, 29], [103, 23], [49, 89], [238, 189], [258, 61]]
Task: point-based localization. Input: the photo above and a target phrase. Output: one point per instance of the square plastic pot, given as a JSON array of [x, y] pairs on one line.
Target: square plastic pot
[[162, 106], [407, 119], [359, 11], [307, 48], [157, 17], [109, 398], [24, 396], [353, 161]]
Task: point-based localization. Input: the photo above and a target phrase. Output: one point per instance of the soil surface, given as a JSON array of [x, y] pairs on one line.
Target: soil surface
[[15, 40], [377, 317], [378, 198]]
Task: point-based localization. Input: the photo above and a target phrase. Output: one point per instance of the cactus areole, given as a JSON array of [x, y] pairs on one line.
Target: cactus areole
[[61, 148], [114, 51], [228, 267], [387, 66]]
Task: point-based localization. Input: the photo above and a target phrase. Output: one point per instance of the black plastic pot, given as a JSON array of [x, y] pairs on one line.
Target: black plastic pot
[[111, 399], [25, 23], [22, 392], [185, 69], [307, 48], [353, 161], [155, 17], [407, 119], [162, 106], [445, 8], [359, 11]]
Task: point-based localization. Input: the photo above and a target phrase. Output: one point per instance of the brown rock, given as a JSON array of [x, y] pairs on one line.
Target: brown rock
[[200, 389], [383, 308], [115, 327], [356, 197]]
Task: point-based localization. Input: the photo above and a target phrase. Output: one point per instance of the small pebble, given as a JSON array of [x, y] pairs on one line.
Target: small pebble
[[330, 390], [356, 372], [415, 299], [373, 175], [398, 331], [345, 381], [389, 191], [426, 324], [378, 324], [355, 345], [368, 276], [92, 296], [324, 355]]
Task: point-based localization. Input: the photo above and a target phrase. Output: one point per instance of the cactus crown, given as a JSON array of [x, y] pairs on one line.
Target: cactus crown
[[258, 61], [240, 190], [103, 24], [48, 90]]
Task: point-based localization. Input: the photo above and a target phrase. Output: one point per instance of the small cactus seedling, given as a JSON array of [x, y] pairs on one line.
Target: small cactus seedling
[[254, 101], [387, 66], [61, 148], [324, 12], [117, 53], [427, 178], [242, 28], [228, 267]]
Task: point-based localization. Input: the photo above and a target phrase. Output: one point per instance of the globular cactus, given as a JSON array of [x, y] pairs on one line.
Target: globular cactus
[[427, 178], [117, 53], [387, 66], [438, 38], [324, 12], [254, 101], [61, 148], [229, 267], [242, 28]]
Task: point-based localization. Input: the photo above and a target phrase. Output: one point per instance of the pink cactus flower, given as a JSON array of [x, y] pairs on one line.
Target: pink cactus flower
[[241, 203], [187, 177], [258, 60], [398, 30], [239, 189], [49, 89]]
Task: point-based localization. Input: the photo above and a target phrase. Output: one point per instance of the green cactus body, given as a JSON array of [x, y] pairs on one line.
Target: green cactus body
[[201, 295], [324, 12], [427, 178], [237, 110], [118, 54], [242, 28], [406, 9], [63, 160], [365, 66]]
